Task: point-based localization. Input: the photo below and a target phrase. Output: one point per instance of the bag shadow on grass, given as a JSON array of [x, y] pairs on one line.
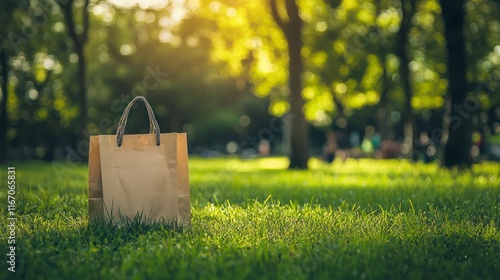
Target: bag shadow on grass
[[118, 232]]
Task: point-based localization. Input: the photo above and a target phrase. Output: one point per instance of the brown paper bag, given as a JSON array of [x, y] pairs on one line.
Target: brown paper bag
[[143, 174]]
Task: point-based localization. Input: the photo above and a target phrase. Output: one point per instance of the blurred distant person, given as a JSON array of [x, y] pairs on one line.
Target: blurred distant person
[[368, 144], [426, 149], [391, 149], [354, 139], [330, 147], [377, 145], [264, 148]]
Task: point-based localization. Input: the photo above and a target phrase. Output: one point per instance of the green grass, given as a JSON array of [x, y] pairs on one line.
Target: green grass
[[363, 219]]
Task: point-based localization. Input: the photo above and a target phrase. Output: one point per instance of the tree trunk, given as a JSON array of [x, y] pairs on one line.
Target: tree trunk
[[3, 106], [82, 90], [383, 110], [384, 127], [79, 41], [409, 127], [299, 152], [458, 146]]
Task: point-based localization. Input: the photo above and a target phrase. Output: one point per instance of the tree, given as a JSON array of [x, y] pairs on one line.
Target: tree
[[292, 29], [7, 10], [3, 105], [79, 39], [383, 48], [35, 107], [256, 49], [407, 12], [458, 146]]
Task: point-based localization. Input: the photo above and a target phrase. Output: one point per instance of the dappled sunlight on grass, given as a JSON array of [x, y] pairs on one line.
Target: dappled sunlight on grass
[[363, 182], [369, 166]]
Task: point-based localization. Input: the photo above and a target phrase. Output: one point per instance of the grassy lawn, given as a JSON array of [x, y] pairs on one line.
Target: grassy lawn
[[362, 219]]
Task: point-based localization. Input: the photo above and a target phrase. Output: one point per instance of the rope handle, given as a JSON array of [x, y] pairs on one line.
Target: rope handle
[[153, 124]]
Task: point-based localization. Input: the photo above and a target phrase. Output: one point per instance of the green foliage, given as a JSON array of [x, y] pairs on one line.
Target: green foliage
[[147, 52], [254, 220], [251, 46], [214, 53], [483, 51], [39, 92]]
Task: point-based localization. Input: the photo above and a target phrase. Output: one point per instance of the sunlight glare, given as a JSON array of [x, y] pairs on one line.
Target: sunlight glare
[[177, 9], [143, 4]]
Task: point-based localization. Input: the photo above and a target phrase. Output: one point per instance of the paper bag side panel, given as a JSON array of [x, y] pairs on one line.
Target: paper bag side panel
[[95, 198], [169, 143], [184, 202]]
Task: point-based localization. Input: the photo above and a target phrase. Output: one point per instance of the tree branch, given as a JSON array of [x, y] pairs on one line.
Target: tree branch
[[67, 9], [276, 16], [85, 22], [292, 11], [338, 103], [40, 85], [407, 12], [413, 7]]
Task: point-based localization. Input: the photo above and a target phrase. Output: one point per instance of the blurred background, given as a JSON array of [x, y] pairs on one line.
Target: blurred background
[[322, 78]]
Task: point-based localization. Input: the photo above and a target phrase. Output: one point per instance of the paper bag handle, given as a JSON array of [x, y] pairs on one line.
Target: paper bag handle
[[153, 124]]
